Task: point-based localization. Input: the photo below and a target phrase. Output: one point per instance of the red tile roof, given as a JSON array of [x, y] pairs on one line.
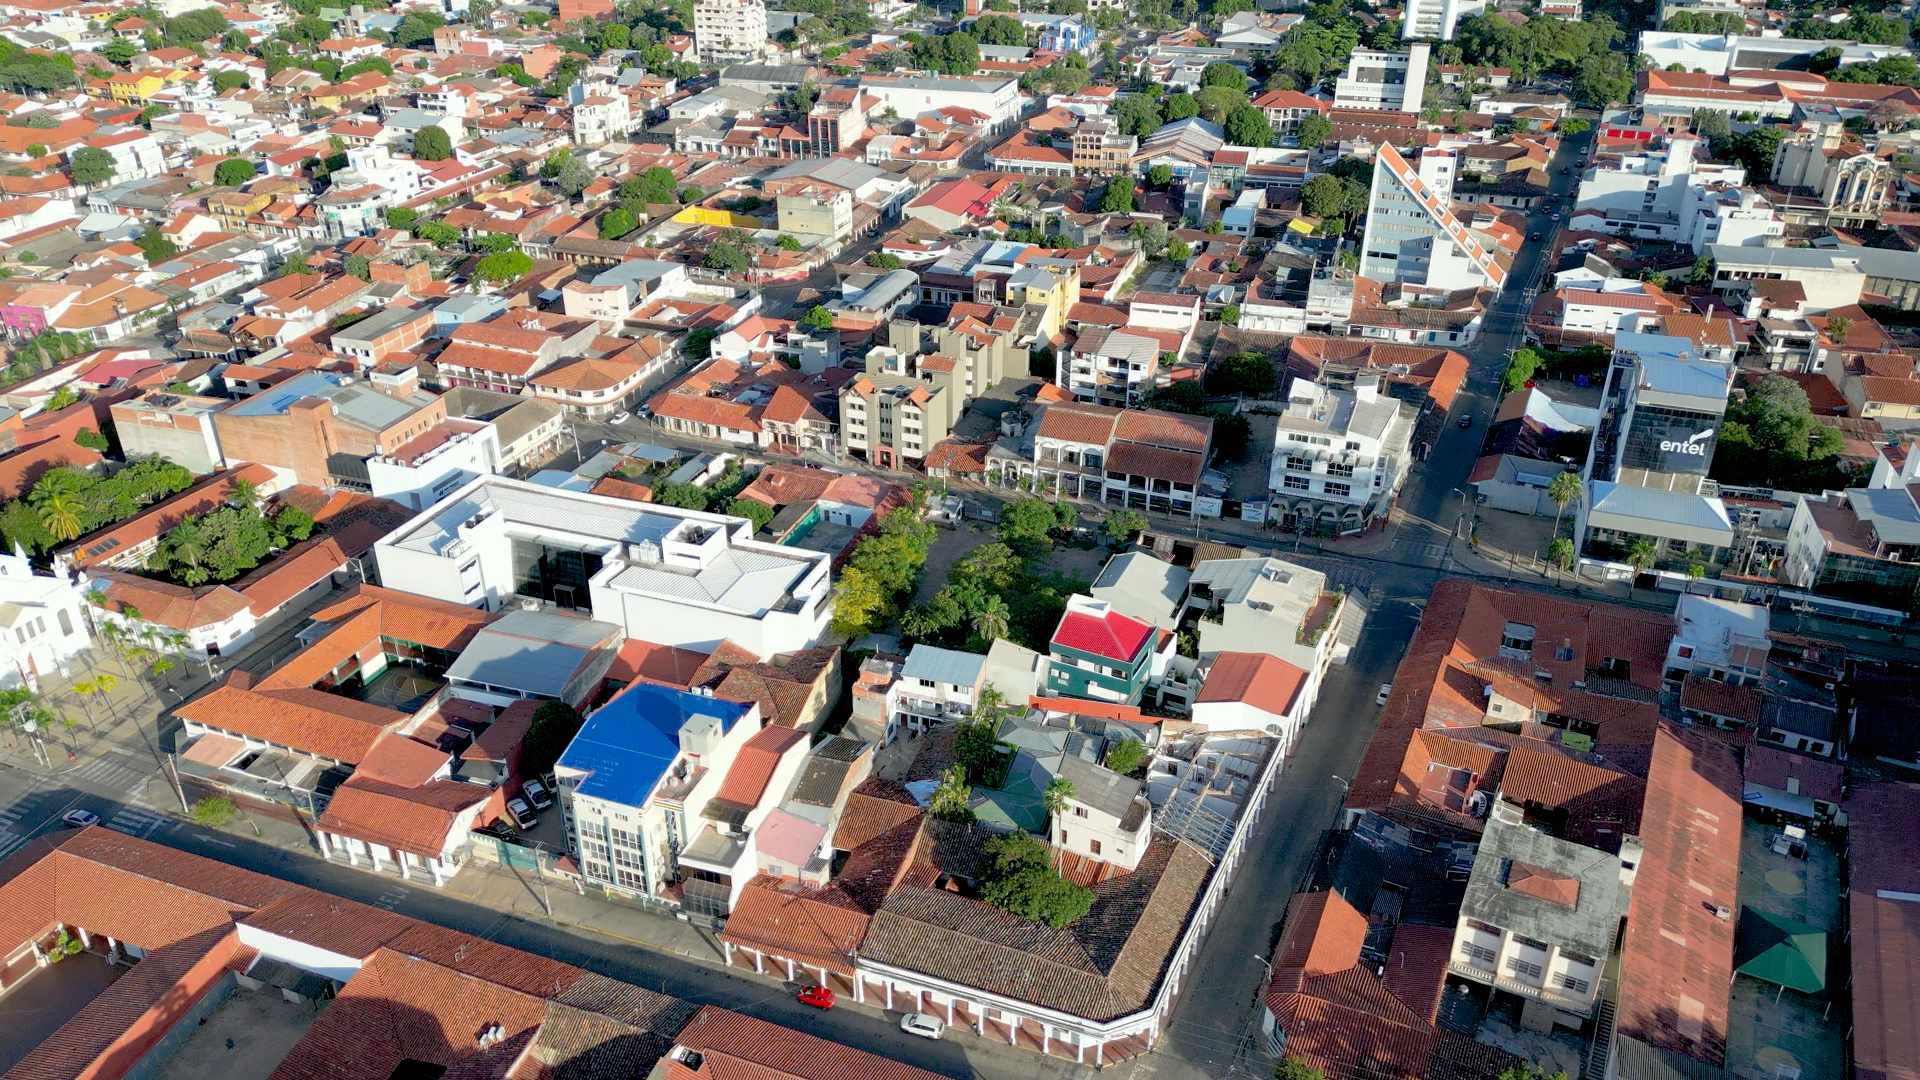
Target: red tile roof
[[1676, 966], [737, 1047], [751, 770], [1268, 683], [1112, 635], [1883, 857]]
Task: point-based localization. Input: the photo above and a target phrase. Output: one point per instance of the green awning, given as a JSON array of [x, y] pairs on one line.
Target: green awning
[[1781, 951]]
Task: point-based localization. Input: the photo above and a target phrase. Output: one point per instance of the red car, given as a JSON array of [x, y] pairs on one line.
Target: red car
[[817, 996]]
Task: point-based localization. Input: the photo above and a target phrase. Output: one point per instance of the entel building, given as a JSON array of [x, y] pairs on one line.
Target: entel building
[[1646, 473], [665, 575]]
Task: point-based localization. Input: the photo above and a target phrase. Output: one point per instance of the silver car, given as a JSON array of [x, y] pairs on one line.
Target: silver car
[[923, 1025]]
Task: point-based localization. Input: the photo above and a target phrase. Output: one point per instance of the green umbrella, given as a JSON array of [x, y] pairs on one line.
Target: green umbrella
[[1781, 951]]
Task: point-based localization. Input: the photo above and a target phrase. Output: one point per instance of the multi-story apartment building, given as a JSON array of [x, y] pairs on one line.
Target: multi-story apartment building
[[1139, 458], [1653, 193], [1862, 544], [1413, 235], [1646, 471], [729, 31], [1384, 81], [1437, 19], [1340, 456], [1100, 148], [911, 394], [935, 686], [1109, 366], [319, 427], [662, 574], [1538, 920]]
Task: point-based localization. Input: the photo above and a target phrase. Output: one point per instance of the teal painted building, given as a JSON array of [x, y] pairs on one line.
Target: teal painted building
[[1099, 654]]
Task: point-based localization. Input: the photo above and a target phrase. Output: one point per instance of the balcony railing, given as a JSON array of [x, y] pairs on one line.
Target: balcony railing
[[1467, 969]]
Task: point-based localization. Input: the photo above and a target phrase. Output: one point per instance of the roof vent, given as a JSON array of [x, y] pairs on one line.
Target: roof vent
[[1722, 912], [488, 1035]]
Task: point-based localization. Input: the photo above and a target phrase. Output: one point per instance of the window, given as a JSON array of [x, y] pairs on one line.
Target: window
[[1614, 667], [1339, 468], [1577, 985], [1338, 490], [1685, 652], [1516, 641], [1294, 483], [1479, 954], [1079, 811], [1524, 969]]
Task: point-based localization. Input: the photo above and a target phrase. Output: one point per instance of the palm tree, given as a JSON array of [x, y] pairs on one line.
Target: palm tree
[[949, 800], [1642, 555], [1059, 793], [1562, 490], [60, 513], [1560, 553], [990, 622]]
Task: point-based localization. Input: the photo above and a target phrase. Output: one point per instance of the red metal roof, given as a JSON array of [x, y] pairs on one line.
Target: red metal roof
[[1114, 636]]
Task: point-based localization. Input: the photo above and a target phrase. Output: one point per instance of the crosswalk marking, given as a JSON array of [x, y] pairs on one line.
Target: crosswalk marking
[[136, 821], [10, 841], [114, 773]]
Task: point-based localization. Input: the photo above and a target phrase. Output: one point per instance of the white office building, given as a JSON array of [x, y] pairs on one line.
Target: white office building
[[729, 31], [661, 574], [1437, 19], [1654, 194], [1413, 236], [1647, 468], [1339, 456], [1387, 81], [998, 97]]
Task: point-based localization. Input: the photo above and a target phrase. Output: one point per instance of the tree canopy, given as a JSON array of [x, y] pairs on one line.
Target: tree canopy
[[1020, 879], [1770, 438], [432, 144], [233, 172], [503, 266]]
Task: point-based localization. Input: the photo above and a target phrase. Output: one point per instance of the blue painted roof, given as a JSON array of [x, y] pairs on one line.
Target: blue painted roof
[[626, 746]]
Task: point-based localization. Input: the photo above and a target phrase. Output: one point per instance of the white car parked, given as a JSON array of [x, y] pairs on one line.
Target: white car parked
[[927, 1027]]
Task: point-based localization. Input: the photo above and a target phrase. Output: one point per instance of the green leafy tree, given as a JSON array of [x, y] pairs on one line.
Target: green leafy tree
[[1248, 374], [617, 223], [999, 30], [553, 726], [1247, 126], [860, 606], [1524, 365], [1226, 75], [1159, 177], [503, 266], [1021, 880], [1313, 132], [817, 319], [655, 185], [753, 510], [1230, 315], [1123, 525], [1178, 250], [233, 172], [224, 81], [401, 217], [727, 256], [1117, 198], [786, 243], [1324, 196], [880, 260], [432, 144], [1292, 1068], [155, 246], [1179, 106], [359, 266], [90, 165], [438, 234], [1028, 523], [1128, 757]]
